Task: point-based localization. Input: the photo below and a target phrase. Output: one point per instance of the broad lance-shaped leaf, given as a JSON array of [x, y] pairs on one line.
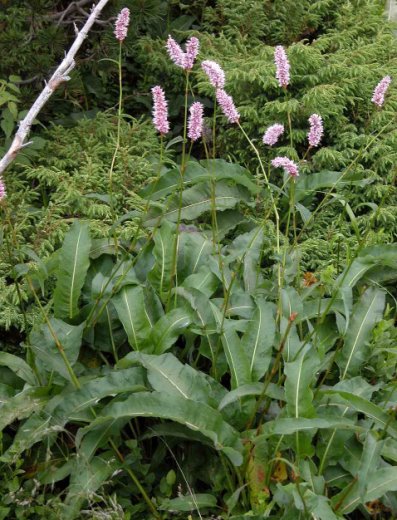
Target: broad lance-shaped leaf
[[167, 374], [259, 338], [197, 416], [163, 252], [366, 313], [378, 484], [70, 404], [44, 346], [236, 356], [18, 366], [72, 270], [131, 308], [197, 200], [85, 480], [22, 405], [167, 330], [300, 375]]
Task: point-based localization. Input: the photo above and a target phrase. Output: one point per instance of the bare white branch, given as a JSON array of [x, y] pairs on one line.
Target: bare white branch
[[60, 76]]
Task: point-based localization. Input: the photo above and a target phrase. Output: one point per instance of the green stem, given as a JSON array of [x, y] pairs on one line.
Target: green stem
[[182, 176]]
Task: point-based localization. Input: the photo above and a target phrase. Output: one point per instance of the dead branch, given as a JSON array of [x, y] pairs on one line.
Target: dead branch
[[60, 76]]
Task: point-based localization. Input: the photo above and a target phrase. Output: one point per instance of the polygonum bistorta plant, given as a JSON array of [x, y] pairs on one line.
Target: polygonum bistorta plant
[[227, 105], [160, 111], [287, 164], [273, 134], [380, 90], [316, 130], [121, 25], [214, 72], [282, 66], [195, 123], [185, 60]]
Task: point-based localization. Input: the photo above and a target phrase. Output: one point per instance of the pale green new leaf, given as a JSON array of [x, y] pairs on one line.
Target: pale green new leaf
[[366, 313], [72, 269], [131, 309], [258, 340], [236, 356], [299, 376]]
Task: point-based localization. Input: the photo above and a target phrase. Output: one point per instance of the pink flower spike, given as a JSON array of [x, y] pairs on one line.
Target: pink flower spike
[[3, 192], [316, 130], [272, 134], [227, 105], [195, 123], [160, 111], [192, 50], [122, 23], [214, 72], [288, 165], [175, 52], [282, 66], [380, 90]]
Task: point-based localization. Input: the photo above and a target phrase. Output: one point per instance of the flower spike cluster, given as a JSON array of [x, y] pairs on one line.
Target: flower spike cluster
[[121, 25], [214, 72], [273, 134], [316, 130], [195, 123], [3, 192], [227, 105], [185, 60], [282, 66], [289, 166], [160, 111], [380, 90]]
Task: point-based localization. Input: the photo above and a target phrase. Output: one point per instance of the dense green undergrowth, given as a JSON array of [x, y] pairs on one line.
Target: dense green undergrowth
[[194, 338]]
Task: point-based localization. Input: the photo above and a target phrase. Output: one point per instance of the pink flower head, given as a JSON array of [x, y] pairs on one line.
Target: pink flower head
[[282, 66], [195, 123], [175, 52], [192, 49], [214, 72], [288, 165], [3, 192], [160, 111], [227, 105], [316, 130], [273, 134], [380, 90], [185, 60], [122, 23]]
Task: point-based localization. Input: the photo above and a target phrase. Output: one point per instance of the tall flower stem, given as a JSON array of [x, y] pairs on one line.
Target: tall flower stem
[[181, 183], [117, 147], [274, 206]]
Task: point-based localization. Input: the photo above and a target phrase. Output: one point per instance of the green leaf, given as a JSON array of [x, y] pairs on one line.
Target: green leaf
[[379, 483], [236, 356], [167, 374], [258, 340], [163, 252], [273, 391], [22, 405], [42, 340], [366, 313], [167, 330], [371, 410], [70, 404], [196, 501], [307, 184], [18, 366], [197, 200], [85, 480], [197, 416], [300, 374], [289, 426], [72, 269], [130, 307]]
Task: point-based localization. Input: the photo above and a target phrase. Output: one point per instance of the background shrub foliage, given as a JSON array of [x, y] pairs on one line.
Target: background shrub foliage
[[129, 392]]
